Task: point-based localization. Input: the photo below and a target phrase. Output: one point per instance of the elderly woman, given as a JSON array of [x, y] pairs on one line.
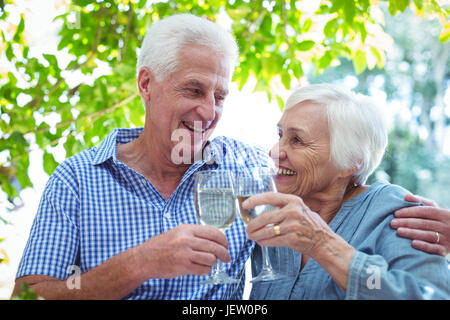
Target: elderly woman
[[334, 231]]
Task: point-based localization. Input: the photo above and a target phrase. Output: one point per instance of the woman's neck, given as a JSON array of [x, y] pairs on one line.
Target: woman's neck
[[328, 203]]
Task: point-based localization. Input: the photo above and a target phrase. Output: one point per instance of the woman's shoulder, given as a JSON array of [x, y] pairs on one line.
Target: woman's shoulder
[[376, 205], [383, 194]]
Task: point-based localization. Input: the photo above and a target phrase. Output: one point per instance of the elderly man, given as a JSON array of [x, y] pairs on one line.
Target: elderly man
[[121, 215]]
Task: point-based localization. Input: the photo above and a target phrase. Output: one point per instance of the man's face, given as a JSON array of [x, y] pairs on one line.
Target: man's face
[[184, 109]]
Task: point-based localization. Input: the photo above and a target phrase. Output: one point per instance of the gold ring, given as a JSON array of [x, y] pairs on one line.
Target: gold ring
[[437, 237], [276, 230]]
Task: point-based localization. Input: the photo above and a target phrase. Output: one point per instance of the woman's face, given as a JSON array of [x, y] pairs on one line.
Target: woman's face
[[303, 151]]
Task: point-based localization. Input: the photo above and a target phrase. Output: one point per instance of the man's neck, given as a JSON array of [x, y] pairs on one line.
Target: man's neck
[[154, 164]]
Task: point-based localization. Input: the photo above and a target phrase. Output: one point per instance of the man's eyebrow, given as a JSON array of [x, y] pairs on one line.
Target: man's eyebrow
[[223, 92], [201, 85], [195, 83]]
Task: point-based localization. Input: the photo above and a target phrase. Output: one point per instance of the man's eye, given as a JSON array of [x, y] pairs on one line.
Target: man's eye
[[195, 91]]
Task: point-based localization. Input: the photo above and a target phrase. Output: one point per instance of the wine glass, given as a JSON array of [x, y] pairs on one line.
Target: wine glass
[[215, 204], [254, 181]]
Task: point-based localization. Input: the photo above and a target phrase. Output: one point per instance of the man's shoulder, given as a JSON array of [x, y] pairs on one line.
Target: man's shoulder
[[238, 145], [74, 165], [241, 151], [81, 159]]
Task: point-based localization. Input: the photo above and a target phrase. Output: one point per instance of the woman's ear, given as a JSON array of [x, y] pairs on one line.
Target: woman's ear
[[349, 172]]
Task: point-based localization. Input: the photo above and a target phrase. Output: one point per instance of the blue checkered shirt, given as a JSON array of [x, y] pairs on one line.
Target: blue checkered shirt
[[95, 207]]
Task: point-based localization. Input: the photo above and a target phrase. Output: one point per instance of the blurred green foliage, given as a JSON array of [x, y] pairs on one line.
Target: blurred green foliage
[[276, 39]]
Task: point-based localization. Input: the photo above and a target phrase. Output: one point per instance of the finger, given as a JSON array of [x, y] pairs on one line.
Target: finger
[[211, 234], [418, 212], [199, 269], [203, 259], [267, 232], [212, 248], [277, 241], [427, 236], [415, 198], [432, 248], [261, 221], [272, 198], [413, 223]]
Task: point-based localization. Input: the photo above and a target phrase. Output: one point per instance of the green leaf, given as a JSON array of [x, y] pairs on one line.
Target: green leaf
[[239, 13], [50, 163], [280, 102], [286, 79], [377, 56], [331, 28], [418, 4], [19, 138], [266, 25], [7, 187], [359, 61], [18, 34], [9, 52], [325, 61], [26, 293], [349, 12], [445, 33], [397, 5], [307, 25], [306, 45], [51, 59]]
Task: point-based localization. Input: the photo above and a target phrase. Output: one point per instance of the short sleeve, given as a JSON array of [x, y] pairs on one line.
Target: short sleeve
[[53, 243]]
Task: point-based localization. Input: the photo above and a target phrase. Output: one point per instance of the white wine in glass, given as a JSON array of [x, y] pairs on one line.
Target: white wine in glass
[[252, 182], [215, 204]]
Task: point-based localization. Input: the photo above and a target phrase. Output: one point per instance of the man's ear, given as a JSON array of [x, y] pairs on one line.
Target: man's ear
[[144, 80]]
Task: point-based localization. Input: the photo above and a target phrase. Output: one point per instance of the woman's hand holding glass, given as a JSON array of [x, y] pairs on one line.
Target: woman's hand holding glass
[[248, 184]]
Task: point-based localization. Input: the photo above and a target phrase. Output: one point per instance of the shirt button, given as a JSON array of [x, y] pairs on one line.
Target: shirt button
[[167, 215]]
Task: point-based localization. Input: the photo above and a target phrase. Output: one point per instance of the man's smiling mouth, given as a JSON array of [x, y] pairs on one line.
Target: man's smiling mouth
[[194, 128]]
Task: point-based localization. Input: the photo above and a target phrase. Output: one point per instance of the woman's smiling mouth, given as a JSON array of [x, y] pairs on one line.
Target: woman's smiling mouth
[[286, 172]]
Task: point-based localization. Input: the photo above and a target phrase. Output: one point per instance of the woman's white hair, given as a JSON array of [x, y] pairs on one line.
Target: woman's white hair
[[358, 132], [164, 39]]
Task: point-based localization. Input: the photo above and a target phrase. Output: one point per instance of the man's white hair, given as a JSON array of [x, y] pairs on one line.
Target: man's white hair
[[358, 131], [164, 39]]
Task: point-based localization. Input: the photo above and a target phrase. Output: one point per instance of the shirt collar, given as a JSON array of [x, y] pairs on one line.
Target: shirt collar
[[108, 147], [213, 152]]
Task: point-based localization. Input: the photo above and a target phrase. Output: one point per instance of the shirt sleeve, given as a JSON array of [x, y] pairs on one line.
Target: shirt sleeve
[[53, 243], [414, 276]]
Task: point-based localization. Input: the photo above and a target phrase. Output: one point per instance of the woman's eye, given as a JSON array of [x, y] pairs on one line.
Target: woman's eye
[[297, 140]]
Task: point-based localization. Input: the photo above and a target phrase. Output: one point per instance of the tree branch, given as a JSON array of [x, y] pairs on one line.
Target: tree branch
[[93, 116], [34, 104]]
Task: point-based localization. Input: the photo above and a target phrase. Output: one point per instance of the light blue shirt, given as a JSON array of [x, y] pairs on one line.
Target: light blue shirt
[[385, 266], [95, 207]]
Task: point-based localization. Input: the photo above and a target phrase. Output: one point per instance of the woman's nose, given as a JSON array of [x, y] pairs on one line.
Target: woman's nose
[[277, 154]]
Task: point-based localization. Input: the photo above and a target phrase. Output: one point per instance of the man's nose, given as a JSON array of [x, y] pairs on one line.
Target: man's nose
[[206, 108]]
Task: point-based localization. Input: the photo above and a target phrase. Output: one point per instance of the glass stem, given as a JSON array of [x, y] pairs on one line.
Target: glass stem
[[218, 268], [266, 262]]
